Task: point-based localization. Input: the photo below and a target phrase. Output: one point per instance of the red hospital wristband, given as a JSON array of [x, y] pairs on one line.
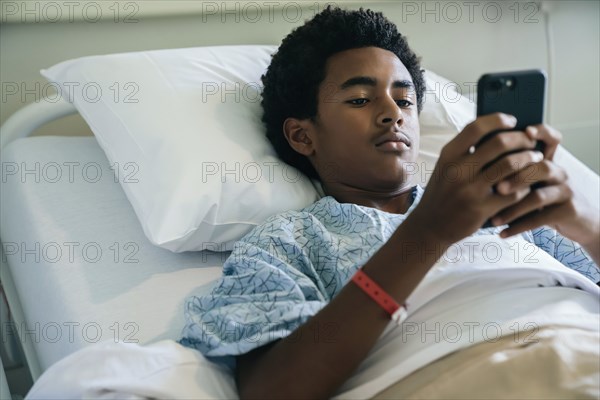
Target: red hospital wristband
[[396, 311]]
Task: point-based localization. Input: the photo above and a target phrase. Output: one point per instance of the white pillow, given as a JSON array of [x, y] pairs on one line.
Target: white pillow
[[445, 113], [198, 171], [182, 129], [446, 110]]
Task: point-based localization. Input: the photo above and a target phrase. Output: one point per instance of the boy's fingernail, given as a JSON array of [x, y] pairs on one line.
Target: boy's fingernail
[[532, 130], [503, 187]]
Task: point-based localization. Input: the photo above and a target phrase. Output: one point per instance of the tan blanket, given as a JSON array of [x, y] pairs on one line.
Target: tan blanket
[[551, 363]]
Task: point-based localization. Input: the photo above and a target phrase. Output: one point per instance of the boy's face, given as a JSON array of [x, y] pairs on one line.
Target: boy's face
[[367, 128]]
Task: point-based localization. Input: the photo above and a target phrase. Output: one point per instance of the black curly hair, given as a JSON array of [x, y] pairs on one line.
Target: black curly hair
[[291, 83]]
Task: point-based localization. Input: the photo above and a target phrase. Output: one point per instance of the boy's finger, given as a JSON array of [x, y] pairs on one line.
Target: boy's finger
[[476, 130], [495, 147], [536, 200], [545, 172], [548, 135], [531, 221]]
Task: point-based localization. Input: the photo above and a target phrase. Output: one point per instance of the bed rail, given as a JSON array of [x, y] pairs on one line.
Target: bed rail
[[23, 122]]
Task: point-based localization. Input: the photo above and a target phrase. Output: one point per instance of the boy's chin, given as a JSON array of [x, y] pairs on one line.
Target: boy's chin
[[393, 183]]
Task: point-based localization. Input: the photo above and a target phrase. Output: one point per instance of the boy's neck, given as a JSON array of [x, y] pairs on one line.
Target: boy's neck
[[396, 202]]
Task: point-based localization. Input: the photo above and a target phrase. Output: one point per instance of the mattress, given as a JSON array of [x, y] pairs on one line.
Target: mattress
[[82, 266]]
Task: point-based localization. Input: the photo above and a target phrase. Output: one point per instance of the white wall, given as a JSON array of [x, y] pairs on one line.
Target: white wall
[[575, 81], [458, 39]]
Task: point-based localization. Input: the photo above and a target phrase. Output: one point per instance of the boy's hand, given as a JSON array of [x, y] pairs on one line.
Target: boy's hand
[[556, 203], [461, 195]]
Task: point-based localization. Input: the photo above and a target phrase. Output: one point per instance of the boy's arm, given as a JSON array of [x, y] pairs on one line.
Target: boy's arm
[[586, 184], [565, 250], [306, 365], [322, 354]]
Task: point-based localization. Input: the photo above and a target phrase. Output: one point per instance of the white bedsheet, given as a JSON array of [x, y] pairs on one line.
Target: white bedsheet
[[473, 295], [458, 304], [69, 201], [167, 370], [163, 370]]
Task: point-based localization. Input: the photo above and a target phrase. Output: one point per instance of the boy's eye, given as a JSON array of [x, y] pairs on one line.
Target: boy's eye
[[404, 103], [362, 101], [358, 102]]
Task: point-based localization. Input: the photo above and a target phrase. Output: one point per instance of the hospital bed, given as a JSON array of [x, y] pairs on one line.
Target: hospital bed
[[81, 262]]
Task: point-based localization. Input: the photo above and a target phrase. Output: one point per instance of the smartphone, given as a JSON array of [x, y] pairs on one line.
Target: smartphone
[[518, 93]]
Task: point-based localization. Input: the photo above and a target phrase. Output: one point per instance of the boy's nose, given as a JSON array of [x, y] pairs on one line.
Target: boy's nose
[[391, 115]]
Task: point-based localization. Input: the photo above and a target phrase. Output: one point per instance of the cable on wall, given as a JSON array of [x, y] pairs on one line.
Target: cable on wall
[[545, 8]]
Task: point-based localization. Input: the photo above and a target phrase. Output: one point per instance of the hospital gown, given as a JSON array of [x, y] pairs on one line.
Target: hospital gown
[[284, 271]]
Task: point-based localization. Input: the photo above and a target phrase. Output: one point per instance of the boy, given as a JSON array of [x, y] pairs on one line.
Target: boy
[[341, 101]]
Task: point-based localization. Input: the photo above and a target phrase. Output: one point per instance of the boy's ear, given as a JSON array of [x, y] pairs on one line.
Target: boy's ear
[[299, 135]]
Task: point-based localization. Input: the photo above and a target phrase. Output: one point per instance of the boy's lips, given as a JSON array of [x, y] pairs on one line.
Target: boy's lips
[[391, 138]]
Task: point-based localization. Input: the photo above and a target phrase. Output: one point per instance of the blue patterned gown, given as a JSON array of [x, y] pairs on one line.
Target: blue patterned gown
[[286, 270]]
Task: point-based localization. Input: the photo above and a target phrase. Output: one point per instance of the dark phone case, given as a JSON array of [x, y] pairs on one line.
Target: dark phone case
[[524, 99]]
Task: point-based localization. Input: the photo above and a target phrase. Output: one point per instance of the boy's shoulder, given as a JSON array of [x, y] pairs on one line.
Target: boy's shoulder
[[289, 226], [316, 210]]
